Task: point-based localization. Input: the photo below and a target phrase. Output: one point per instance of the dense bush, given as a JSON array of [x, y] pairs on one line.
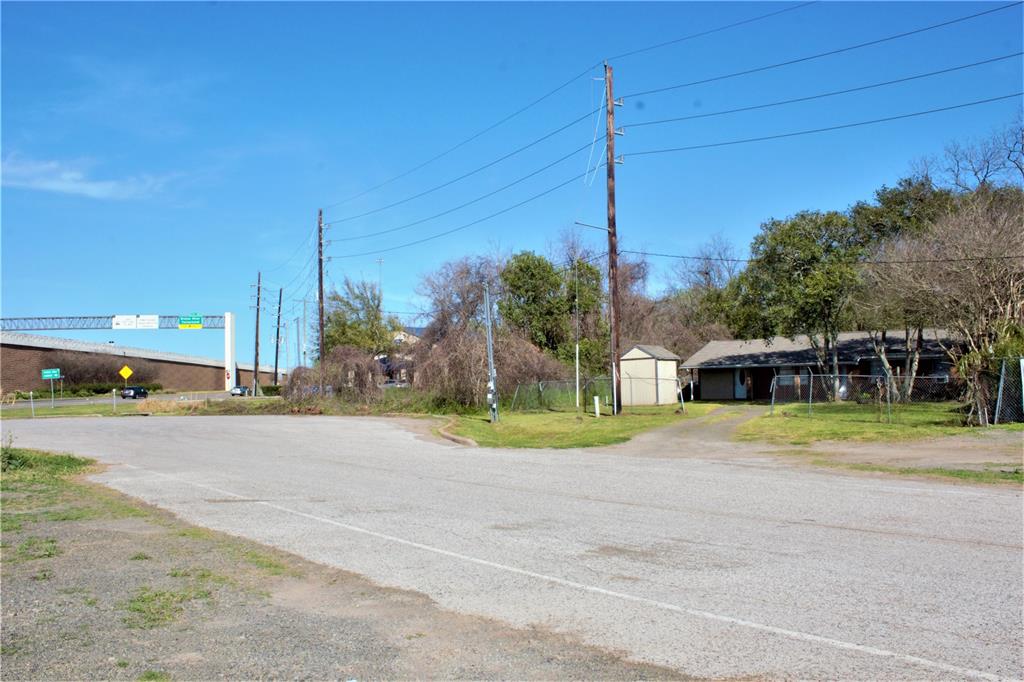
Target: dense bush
[[348, 373], [272, 390], [455, 368]]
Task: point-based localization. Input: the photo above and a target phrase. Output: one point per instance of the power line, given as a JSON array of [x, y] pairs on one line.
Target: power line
[[468, 174], [558, 89], [469, 224], [710, 31], [716, 259], [819, 55], [822, 130], [823, 94], [467, 203]]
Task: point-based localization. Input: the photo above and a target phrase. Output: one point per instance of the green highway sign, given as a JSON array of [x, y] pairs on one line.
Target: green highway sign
[[190, 322], [51, 373]]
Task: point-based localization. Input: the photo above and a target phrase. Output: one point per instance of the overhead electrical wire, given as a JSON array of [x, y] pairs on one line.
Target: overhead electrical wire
[[471, 223], [819, 55], [963, 259], [822, 130], [822, 95], [678, 149], [467, 203], [561, 87], [467, 174]]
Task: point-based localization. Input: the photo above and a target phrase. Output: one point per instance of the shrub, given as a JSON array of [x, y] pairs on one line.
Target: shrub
[[271, 390], [454, 369], [349, 373]]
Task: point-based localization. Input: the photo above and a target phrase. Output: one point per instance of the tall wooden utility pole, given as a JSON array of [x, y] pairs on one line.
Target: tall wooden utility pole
[[320, 288], [277, 340], [613, 246], [256, 361]]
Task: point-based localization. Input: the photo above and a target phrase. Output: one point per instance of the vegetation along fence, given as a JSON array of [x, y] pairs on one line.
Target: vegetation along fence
[[560, 395], [894, 396]]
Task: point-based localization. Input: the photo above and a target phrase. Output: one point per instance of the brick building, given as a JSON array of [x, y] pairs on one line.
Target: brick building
[[23, 356]]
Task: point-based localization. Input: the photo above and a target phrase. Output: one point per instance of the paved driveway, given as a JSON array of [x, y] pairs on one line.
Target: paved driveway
[[738, 567]]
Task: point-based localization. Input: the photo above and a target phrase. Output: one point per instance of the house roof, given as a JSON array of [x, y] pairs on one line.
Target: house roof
[[783, 351], [54, 343], [656, 352]]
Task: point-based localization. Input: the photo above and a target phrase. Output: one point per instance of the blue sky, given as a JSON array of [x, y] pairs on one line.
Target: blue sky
[[155, 156]]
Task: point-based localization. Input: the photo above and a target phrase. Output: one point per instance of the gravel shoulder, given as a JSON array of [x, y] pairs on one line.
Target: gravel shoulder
[[99, 586]]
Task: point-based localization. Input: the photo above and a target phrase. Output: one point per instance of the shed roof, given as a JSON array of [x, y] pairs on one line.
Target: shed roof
[[783, 351], [656, 352]]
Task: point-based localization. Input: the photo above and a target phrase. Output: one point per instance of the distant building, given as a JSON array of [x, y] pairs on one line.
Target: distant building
[[650, 376], [743, 370], [24, 356]]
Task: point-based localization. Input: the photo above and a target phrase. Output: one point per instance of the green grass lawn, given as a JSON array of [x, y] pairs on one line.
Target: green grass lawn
[[563, 430], [850, 421], [43, 409]]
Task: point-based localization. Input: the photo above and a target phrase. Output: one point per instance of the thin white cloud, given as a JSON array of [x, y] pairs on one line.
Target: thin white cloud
[[67, 178]]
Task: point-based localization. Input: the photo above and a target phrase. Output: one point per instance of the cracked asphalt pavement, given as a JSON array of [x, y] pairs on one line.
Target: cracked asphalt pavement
[[735, 567]]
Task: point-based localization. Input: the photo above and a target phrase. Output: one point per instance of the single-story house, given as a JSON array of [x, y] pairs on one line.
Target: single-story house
[[650, 376], [743, 370]]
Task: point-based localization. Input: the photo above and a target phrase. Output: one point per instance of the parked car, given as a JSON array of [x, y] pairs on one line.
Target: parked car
[[240, 391], [134, 392]]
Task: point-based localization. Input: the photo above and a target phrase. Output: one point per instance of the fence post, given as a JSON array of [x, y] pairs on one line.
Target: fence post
[[888, 397], [32, 403], [597, 407], [772, 410], [810, 392], [999, 393]]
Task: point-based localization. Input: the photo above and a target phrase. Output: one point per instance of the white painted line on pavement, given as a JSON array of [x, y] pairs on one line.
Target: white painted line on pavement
[[791, 634]]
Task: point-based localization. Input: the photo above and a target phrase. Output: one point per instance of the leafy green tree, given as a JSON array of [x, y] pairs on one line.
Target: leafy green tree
[[801, 279], [355, 318], [903, 210], [533, 300]]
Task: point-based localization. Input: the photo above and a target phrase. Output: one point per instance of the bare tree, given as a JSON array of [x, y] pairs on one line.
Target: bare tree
[[993, 160], [970, 276], [716, 262]]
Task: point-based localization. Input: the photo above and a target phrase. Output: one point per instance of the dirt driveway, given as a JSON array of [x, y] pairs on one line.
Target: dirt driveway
[[712, 437]]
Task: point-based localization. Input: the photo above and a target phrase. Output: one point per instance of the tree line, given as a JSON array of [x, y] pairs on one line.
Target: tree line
[[941, 247]]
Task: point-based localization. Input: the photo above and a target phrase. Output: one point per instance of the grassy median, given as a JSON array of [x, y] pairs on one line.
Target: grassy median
[[568, 430]]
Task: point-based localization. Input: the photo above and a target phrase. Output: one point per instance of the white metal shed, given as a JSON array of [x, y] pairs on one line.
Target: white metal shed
[[649, 376]]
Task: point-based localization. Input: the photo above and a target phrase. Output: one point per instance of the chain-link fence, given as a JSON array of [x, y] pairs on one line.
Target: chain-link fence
[[560, 395], [1002, 392], [889, 396], [1006, 390]]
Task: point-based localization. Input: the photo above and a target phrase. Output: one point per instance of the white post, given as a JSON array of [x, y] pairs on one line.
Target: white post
[[230, 365], [577, 374], [113, 398], [32, 403], [597, 407]]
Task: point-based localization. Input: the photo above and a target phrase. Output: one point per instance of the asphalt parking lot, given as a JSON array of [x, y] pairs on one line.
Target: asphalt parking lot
[[715, 567]]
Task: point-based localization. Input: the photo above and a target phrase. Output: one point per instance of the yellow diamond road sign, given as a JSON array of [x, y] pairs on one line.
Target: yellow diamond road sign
[[126, 372]]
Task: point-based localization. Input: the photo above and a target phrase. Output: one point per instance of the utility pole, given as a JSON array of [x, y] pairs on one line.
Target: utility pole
[[277, 339], [320, 289], [299, 359], [492, 377], [256, 361], [613, 245]]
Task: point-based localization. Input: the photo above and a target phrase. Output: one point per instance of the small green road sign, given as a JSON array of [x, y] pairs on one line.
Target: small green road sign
[[190, 322], [51, 373]]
